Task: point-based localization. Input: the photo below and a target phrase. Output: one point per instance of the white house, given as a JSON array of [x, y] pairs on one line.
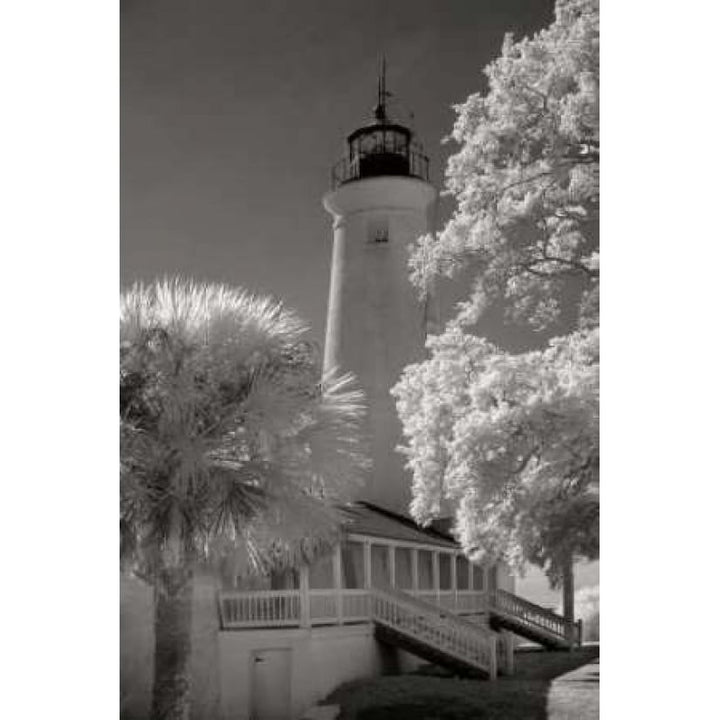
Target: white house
[[392, 595]]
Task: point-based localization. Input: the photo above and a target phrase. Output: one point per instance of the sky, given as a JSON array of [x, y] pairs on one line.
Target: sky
[[234, 111]]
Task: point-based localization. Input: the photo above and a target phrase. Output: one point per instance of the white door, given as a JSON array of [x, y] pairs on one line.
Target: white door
[[270, 696]]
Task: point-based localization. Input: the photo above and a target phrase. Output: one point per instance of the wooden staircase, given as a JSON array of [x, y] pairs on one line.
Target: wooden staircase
[[439, 636], [510, 612]]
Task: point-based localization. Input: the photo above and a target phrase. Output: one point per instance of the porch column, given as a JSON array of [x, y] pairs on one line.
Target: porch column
[[436, 575], [337, 582], [487, 593], [493, 656], [506, 637], [453, 578], [391, 564], [471, 575], [367, 567], [414, 568], [304, 596]]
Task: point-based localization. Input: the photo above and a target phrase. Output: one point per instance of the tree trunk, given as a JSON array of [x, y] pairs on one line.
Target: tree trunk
[[173, 632], [569, 600], [173, 627]]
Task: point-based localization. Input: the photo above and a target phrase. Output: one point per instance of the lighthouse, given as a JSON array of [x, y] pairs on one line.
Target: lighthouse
[[381, 201]]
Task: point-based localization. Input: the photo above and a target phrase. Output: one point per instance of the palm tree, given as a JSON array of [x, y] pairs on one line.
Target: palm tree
[[228, 439]]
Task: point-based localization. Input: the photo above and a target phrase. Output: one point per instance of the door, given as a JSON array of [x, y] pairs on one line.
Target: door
[[270, 693]]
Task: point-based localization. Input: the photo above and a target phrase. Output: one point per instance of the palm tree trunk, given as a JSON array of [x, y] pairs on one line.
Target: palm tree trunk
[[569, 599], [173, 628]]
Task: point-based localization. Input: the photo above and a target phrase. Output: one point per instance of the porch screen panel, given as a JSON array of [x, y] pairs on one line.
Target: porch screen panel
[[478, 577], [380, 566], [285, 580], [425, 573], [493, 578], [321, 573], [445, 578], [253, 582], [463, 575], [353, 566], [403, 568]]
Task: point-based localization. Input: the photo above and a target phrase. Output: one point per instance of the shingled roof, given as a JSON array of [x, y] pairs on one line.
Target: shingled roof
[[364, 518]]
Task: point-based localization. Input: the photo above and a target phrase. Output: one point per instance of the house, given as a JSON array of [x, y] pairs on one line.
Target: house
[[391, 595]]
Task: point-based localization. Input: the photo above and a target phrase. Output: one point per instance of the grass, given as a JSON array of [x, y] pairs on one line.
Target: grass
[[435, 695]]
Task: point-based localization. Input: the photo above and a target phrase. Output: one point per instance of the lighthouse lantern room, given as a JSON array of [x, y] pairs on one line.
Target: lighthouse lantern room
[[382, 147]]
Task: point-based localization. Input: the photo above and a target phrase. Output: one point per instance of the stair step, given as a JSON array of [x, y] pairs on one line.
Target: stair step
[[433, 633], [531, 621], [547, 639], [432, 654]]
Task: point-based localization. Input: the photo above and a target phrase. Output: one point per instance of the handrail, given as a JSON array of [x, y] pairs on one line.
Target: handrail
[[259, 608], [470, 601], [268, 608], [230, 594], [443, 631], [529, 613], [421, 604]]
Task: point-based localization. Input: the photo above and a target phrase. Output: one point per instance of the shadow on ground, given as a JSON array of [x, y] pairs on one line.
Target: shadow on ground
[[433, 694]]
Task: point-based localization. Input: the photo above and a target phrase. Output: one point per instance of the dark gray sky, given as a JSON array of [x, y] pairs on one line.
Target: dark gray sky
[[233, 112]]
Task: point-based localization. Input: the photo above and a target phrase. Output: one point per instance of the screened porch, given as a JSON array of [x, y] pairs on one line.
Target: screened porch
[[334, 590]]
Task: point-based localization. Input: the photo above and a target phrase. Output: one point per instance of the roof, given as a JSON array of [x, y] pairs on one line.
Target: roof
[[364, 518], [375, 125]]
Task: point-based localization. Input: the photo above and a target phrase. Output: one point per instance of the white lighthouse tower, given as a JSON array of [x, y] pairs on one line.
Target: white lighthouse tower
[[381, 201]]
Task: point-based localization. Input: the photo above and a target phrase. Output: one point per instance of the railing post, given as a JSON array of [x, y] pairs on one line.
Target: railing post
[[493, 658], [453, 579], [337, 583], [305, 596], [391, 564], [367, 565], [507, 640], [489, 591], [579, 632]]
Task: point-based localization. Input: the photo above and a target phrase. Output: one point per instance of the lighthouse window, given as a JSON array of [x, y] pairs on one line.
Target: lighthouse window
[[378, 231]]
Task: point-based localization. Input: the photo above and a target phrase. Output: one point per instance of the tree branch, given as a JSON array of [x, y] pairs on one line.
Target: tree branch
[[571, 264]]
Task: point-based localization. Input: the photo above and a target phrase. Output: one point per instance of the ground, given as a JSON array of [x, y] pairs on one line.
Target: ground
[[545, 686]]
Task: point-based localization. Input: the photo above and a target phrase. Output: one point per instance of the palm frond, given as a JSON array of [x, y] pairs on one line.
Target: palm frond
[[226, 419]]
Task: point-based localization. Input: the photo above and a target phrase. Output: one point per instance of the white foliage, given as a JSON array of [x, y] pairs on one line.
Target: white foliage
[[526, 176], [511, 441]]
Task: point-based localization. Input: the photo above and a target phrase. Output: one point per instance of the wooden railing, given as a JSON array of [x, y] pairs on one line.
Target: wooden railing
[[355, 605], [264, 608], [471, 601], [323, 607], [534, 616], [426, 595], [283, 608], [446, 633], [462, 601], [431, 607]]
